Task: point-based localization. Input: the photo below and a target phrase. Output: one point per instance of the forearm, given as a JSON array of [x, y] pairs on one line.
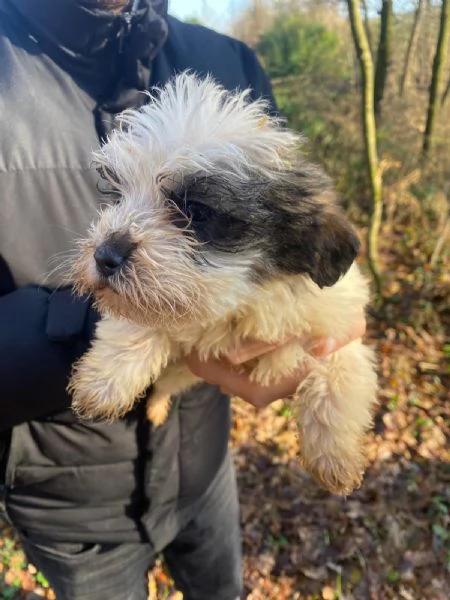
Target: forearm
[[41, 334]]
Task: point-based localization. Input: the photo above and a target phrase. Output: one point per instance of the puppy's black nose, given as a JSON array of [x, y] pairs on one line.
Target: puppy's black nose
[[113, 253]]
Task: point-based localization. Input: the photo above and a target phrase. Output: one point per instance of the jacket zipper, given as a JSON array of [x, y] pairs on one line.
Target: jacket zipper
[[127, 19]]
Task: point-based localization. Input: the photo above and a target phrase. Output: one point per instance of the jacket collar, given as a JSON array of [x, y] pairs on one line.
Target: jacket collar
[[82, 31], [108, 54]]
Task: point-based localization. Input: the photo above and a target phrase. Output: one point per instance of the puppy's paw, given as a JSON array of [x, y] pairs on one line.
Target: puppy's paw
[[280, 362], [339, 474], [96, 395], [158, 409]]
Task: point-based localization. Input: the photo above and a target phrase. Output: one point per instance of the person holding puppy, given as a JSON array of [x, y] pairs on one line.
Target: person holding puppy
[[95, 503]]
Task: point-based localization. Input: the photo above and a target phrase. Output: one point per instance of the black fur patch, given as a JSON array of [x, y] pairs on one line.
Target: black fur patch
[[225, 214], [288, 221], [312, 234]]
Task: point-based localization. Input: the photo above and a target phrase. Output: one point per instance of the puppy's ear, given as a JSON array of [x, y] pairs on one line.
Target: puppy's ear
[[336, 247], [313, 235]]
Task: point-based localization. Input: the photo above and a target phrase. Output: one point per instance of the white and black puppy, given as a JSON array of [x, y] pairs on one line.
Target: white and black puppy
[[223, 233]]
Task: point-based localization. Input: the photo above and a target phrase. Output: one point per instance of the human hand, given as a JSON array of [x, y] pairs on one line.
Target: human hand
[[233, 381]]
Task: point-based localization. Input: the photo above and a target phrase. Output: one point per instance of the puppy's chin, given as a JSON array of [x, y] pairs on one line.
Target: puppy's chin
[[149, 312]]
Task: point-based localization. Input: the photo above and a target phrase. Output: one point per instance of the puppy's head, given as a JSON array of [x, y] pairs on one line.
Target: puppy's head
[[213, 199]]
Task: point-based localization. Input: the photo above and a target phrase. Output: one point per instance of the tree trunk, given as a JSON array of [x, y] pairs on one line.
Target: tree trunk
[[425, 52], [411, 45], [367, 25], [370, 138], [384, 53], [438, 65]]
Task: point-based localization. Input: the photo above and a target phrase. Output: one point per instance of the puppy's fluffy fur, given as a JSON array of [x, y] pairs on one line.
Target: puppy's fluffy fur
[[222, 232]]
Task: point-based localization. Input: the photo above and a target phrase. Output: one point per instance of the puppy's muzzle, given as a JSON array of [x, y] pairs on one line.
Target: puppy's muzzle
[[113, 253]]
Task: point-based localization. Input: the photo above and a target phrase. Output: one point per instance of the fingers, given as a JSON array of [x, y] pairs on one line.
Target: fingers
[[252, 349], [321, 347], [236, 383]]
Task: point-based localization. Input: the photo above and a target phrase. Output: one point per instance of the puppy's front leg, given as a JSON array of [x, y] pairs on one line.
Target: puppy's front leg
[[333, 408], [334, 411], [122, 362]]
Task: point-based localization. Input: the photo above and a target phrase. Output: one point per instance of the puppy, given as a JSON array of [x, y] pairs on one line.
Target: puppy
[[222, 232]]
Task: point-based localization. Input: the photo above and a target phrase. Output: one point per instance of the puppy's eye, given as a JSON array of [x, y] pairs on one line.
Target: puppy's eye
[[198, 213]]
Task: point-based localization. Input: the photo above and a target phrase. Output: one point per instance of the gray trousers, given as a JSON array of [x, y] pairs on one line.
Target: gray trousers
[[204, 559]]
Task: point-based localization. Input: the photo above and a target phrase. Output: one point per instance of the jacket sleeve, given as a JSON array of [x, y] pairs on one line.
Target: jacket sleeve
[[42, 332]]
